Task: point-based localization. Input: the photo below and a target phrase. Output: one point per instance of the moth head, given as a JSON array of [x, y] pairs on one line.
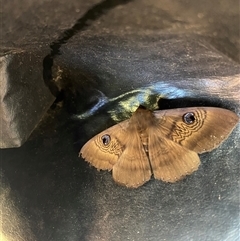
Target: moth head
[[106, 139], [189, 118]]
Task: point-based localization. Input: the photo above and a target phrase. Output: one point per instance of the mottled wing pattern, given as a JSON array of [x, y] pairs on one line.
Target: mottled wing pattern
[[101, 156], [209, 128]]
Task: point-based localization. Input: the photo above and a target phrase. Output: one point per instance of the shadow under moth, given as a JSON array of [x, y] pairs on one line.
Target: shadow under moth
[[162, 143]]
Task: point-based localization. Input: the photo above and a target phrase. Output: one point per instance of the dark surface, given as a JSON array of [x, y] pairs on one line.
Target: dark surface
[[130, 54], [24, 96]]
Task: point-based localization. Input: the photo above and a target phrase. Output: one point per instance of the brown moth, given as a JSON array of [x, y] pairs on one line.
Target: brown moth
[[161, 143]]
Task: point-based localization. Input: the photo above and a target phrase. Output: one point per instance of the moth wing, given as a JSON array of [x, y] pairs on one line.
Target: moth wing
[[101, 156], [209, 128], [133, 168], [170, 162]]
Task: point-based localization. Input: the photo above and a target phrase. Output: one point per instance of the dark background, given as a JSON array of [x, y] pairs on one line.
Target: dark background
[[100, 60]]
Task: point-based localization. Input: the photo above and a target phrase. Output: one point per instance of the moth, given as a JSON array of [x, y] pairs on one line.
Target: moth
[[164, 144]]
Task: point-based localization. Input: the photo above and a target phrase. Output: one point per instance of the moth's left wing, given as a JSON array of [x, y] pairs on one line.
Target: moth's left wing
[[199, 129]]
